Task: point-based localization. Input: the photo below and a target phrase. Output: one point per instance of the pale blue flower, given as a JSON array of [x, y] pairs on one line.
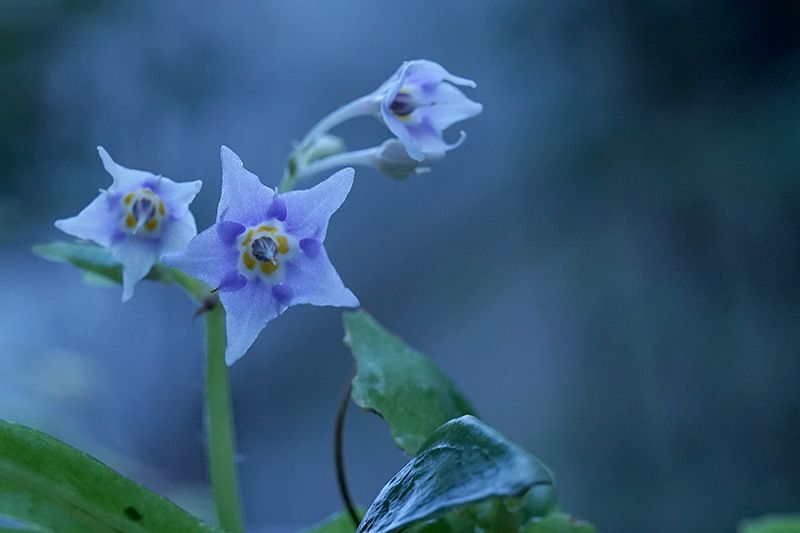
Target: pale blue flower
[[265, 252], [140, 217], [419, 102]]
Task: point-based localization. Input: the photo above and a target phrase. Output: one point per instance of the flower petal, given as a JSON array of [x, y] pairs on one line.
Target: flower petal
[[247, 312], [314, 281], [430, 141], [137, 257], [97, 221], [450, 106], [423, 72], [177, 233], [205, 257], [308, 211], [177, 196], [125, 179], [244, 198], [403, 133]]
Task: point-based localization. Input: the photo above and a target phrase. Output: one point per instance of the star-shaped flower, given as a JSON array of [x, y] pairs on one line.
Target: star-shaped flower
[[265, 251], [420, 101], [139, 218]]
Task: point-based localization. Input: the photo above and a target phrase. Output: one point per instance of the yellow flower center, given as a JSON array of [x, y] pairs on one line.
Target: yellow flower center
[[263, 249], [143, 212]]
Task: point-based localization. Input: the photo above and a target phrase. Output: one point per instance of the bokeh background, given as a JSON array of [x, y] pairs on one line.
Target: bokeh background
[[608, 267]]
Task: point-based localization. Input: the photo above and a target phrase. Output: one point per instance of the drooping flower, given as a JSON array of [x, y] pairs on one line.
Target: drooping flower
[[140, 217], [265, 252], [420, 101]]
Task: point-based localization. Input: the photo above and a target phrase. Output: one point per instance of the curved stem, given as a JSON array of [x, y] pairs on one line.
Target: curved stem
[[363, 157], [338, 450], [366, 105], [220, 436]]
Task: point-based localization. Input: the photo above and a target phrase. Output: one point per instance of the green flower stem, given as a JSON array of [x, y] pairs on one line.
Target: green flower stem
[[290, 176], [366, 105], [220, 436], [345, 159], [298, 159], [219, 430]]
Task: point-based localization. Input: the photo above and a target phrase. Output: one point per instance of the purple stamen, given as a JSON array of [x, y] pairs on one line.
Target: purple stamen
[[402, 105], [265, 249]]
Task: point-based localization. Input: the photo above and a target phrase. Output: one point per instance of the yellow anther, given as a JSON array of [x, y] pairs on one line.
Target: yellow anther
[[151, 225], [161, 209], [248, 238], [128, 198], [269, 267], [283, 244], [130, 221], [249, 261]]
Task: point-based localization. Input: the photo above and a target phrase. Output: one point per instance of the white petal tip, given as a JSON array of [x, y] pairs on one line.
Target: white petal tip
[[462, 137], [344, 178], [228, 156], [349, 300], [231, 358], [105, 157]]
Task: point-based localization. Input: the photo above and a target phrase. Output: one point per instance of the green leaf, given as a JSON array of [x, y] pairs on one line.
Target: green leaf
[[771, 524], [50, 484], [100, 268], [463, 462], [338, 523], [399, 383], [496, 514], [558, 523], [88, 257], [539, 501]]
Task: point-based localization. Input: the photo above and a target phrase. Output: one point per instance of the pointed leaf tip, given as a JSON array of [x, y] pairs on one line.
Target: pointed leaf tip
[[463, 462], [399, 383]]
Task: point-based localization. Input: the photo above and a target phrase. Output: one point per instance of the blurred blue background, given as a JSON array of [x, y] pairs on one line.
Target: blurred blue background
[[608, 267]]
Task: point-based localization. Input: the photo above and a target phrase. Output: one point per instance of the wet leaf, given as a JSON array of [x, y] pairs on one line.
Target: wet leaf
[[463, 462]]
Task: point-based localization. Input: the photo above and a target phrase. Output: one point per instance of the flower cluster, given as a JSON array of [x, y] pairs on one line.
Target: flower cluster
[[265, 251], [417, 104]]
